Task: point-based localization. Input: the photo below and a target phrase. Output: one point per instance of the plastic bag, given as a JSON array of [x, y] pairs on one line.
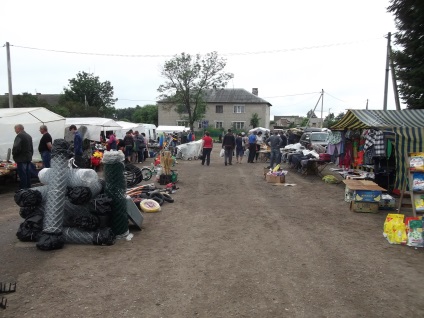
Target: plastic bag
[[418, 182], [79, 195], [28, 197], [415, 234], [330, 179], [30, 230], [419, 202], [102, 205], [416, 161], [395, 229], [222, 153], [48, 242]]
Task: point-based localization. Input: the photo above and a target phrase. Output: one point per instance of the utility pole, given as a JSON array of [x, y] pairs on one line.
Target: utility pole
[[386, 81], [395, 87], [366, 107], [322, 107], [9, 75]]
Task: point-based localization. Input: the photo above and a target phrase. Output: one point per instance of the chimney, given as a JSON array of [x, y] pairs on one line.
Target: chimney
[[255, 91]]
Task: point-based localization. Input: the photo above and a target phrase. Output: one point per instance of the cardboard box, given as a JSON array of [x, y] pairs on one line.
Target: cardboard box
[[387, 202], [367, 195], [348, 194], [364, 207], [275, 179]]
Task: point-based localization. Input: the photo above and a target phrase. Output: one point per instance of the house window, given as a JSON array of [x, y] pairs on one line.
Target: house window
[[219, 109], [218, 124], [238, 124], [238, 109], [199, 124], [182, 123]]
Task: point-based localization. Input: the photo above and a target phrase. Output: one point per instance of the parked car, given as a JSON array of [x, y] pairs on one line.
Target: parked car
[[314, 137]]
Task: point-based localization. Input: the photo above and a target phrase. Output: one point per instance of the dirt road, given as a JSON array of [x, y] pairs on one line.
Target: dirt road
[[231, 245]]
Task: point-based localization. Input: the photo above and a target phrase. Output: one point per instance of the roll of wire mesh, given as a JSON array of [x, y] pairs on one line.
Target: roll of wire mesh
[[77, 178], [99, 237], [55, 201], [115, 189]]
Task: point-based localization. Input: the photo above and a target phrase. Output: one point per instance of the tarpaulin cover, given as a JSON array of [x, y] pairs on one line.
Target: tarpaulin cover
[[31, 119], [189, 150]]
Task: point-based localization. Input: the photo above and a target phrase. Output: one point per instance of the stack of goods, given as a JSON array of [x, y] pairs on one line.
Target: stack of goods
[[275, 175], [166, 161], [405, 231], [69, 208]]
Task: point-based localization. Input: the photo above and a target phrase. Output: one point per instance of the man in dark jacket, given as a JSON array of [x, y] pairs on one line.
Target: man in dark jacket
[[229, 143], [22, 154], [77, 146]]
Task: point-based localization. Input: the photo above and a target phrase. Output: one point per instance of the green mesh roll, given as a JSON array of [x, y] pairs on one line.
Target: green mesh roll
[[115, 189]]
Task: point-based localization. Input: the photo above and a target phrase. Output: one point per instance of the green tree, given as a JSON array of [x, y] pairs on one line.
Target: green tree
[[409, 60], [147, 114], [254, 121], [125, 114], [311, 114], [328, 120], [87, 90], [187, 79], [24, 100]]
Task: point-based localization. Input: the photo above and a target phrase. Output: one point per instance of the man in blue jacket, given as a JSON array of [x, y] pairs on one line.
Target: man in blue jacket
[[77, 145]]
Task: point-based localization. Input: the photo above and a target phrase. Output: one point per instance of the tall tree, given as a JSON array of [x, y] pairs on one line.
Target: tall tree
[[254, 121], [409, 61], [86, 89], [187, 79], [147, 114]]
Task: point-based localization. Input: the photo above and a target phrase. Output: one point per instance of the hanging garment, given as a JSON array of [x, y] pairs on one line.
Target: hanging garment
[[380, 150]]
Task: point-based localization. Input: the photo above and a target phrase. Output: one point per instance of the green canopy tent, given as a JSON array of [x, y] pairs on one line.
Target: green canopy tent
[[408, 126]]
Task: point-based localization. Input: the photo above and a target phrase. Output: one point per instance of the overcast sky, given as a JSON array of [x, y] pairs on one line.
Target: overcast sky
[[280, 47]]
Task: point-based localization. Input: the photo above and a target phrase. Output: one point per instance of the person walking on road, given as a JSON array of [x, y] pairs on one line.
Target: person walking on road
[[140, 146], [229, 143], [274, 141], [239, 148], [45, 146], [207, 148], [22, 152], [252, 147]]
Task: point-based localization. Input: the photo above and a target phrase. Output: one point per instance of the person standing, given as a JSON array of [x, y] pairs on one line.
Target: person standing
[[22, 152], [229, 143], [45, 146], [140, 145], [252, 146], [207, 148], [259, 143], [77, 145], [274, 141], [129, 144], [112, 141], [239, 148], [283, 144]]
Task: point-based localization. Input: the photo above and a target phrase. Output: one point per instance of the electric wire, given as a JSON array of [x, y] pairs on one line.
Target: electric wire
[[223, 54]]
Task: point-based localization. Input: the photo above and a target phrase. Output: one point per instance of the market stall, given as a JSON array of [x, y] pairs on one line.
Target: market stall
[[31, 119], [120, 133], [94, 126], [378, 140]]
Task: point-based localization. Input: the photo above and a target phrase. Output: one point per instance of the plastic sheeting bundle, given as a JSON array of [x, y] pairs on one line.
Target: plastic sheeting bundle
[[77, 178], [115, 189], [55, 201], [100, 237]]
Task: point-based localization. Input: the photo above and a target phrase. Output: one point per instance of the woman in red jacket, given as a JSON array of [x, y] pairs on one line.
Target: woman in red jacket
[[207, 148]]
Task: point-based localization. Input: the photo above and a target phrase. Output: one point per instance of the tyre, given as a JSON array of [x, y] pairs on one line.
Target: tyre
[[146, 174]]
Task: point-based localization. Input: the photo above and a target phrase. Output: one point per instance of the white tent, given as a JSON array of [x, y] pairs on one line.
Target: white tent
[[127, 126], [31, 119], [95, 125], [258, 129], [170, 129]]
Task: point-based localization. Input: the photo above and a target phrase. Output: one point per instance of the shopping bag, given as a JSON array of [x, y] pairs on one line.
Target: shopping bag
[[222, 153]]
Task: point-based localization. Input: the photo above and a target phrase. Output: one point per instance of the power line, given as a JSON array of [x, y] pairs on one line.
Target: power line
[[223, 54], [292, 95], [334, 97]]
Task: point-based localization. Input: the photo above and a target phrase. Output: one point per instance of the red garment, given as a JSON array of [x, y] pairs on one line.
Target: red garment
[[207, 142]]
